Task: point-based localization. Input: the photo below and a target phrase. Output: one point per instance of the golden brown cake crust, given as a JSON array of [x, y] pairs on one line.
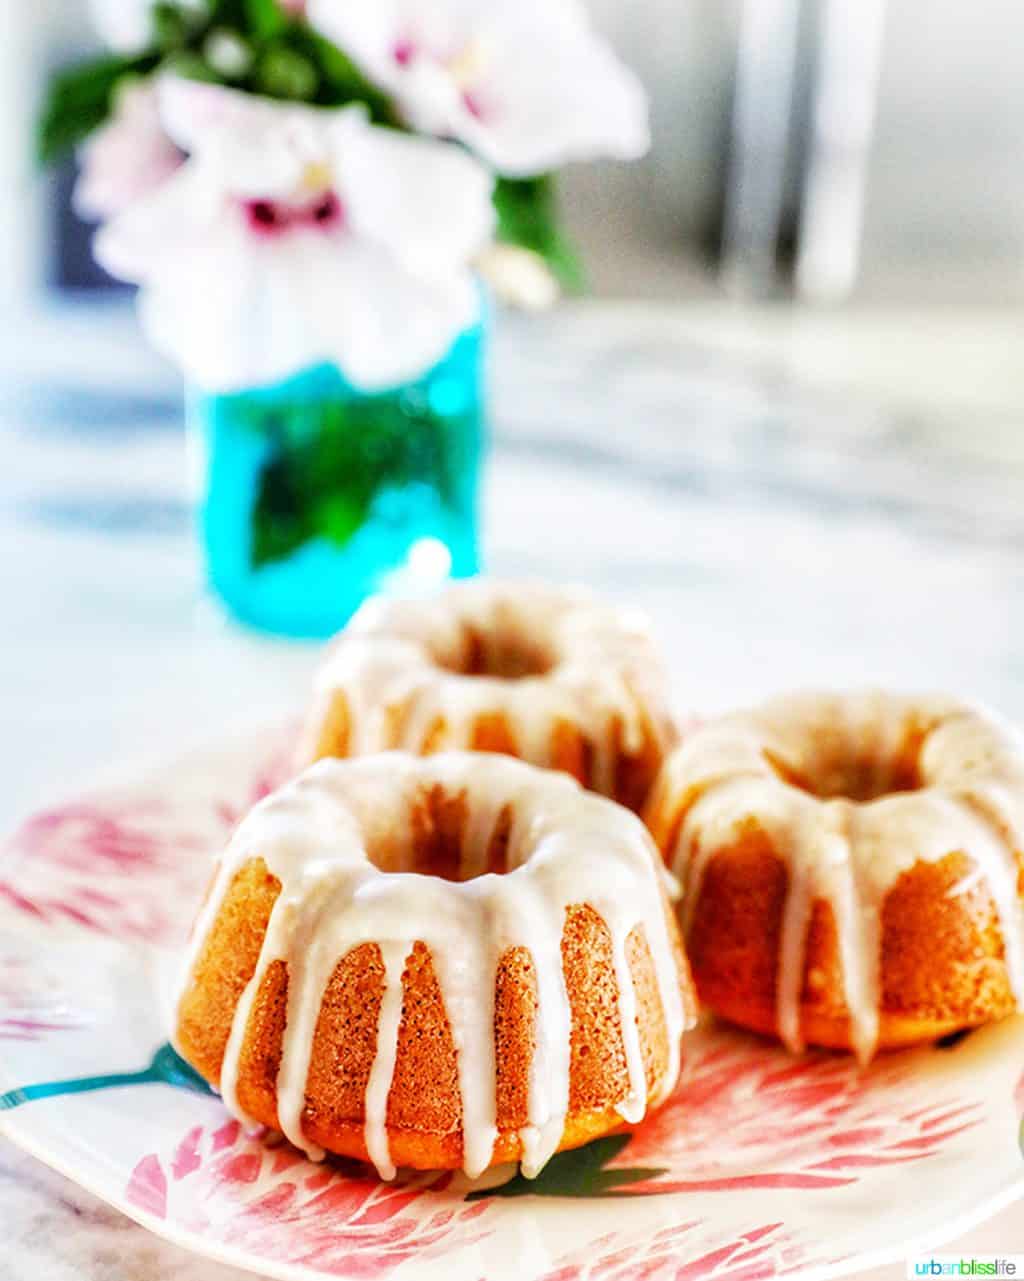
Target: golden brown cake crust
[[941, 957], [458, 665], [941, 934], [423, 1108], [423, 1104]]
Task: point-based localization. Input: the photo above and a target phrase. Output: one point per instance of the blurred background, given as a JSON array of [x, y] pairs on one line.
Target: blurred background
[[802, 330], [831, 149]]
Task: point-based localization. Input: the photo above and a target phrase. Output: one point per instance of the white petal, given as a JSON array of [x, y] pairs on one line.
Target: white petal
[[127, 157], [230, 315], [200, 315], [550, 88], [190, 109], [383, 294], [165, 226], [367, 30], [261, 148], [554, 95], [475, 16], [370, 31], [234, 319], [398, 325], [428, 202], [429, 98]]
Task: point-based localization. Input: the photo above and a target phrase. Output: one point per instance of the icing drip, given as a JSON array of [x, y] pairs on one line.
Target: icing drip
[[633, 1106], [565, 846], [549, 1068], [785, 765], [401, 668]]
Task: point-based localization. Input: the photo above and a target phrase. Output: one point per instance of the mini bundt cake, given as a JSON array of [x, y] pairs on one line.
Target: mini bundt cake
[[549, 675], [852, 867], [437, 962]]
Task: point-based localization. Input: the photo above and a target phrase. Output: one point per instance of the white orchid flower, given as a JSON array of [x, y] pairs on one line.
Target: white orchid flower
[[294, 235], [127, 157], [528, 85]]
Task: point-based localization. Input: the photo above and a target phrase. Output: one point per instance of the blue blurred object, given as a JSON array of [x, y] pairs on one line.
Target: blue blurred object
[[314, 495]]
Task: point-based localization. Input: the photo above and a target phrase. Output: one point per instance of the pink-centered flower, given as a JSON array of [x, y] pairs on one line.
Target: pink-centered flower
[[294, 235], [127, 157], [528, 86]]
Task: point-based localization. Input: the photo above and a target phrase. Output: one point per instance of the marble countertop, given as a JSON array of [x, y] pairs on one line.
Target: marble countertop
[[797, 499]]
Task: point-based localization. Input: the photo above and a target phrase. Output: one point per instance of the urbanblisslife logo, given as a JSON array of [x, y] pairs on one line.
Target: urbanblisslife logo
[[955, 1265]]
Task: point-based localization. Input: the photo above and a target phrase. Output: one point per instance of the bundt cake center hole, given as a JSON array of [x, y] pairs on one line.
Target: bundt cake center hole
[[438, 841], [853, 776], [503, 655]]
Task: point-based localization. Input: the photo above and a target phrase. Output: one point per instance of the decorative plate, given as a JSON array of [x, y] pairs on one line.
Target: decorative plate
[[760, 1165]]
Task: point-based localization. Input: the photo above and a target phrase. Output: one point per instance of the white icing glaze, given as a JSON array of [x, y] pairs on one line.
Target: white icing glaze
[[400, 653], [846, 852], [566, 847]]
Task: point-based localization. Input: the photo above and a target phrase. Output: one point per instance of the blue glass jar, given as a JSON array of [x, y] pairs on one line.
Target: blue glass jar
[[314, 495]]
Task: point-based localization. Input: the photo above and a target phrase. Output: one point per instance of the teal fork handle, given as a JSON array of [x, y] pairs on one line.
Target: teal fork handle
[[166, 1068], [79, 1085]]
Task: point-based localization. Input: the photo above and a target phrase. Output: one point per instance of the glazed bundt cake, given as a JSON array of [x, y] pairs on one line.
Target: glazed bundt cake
[[852, 867], [548, 675], [437, 962]]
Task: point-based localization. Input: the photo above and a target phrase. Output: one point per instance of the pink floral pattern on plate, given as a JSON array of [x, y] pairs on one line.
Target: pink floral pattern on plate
[[339, 1219], [745, 1119], [759, 1165], [127, 867], [73, 864], [746, 1115], [33, 1002], [669, 1255]]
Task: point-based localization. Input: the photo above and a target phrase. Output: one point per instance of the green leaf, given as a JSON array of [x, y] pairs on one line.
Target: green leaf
[[341, 81], [79, 99], [578, 1173], [282, 72], [192, 66], [294, 61], [338, 516], [264, 19], [301, 497], [527, 210], [171, 26], [331, 457], [290, 61]]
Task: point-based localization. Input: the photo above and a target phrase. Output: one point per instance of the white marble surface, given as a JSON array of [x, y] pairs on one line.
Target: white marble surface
[[796, 498]]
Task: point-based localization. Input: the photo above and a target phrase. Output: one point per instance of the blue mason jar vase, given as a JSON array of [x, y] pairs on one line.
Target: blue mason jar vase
[[314, 495]]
